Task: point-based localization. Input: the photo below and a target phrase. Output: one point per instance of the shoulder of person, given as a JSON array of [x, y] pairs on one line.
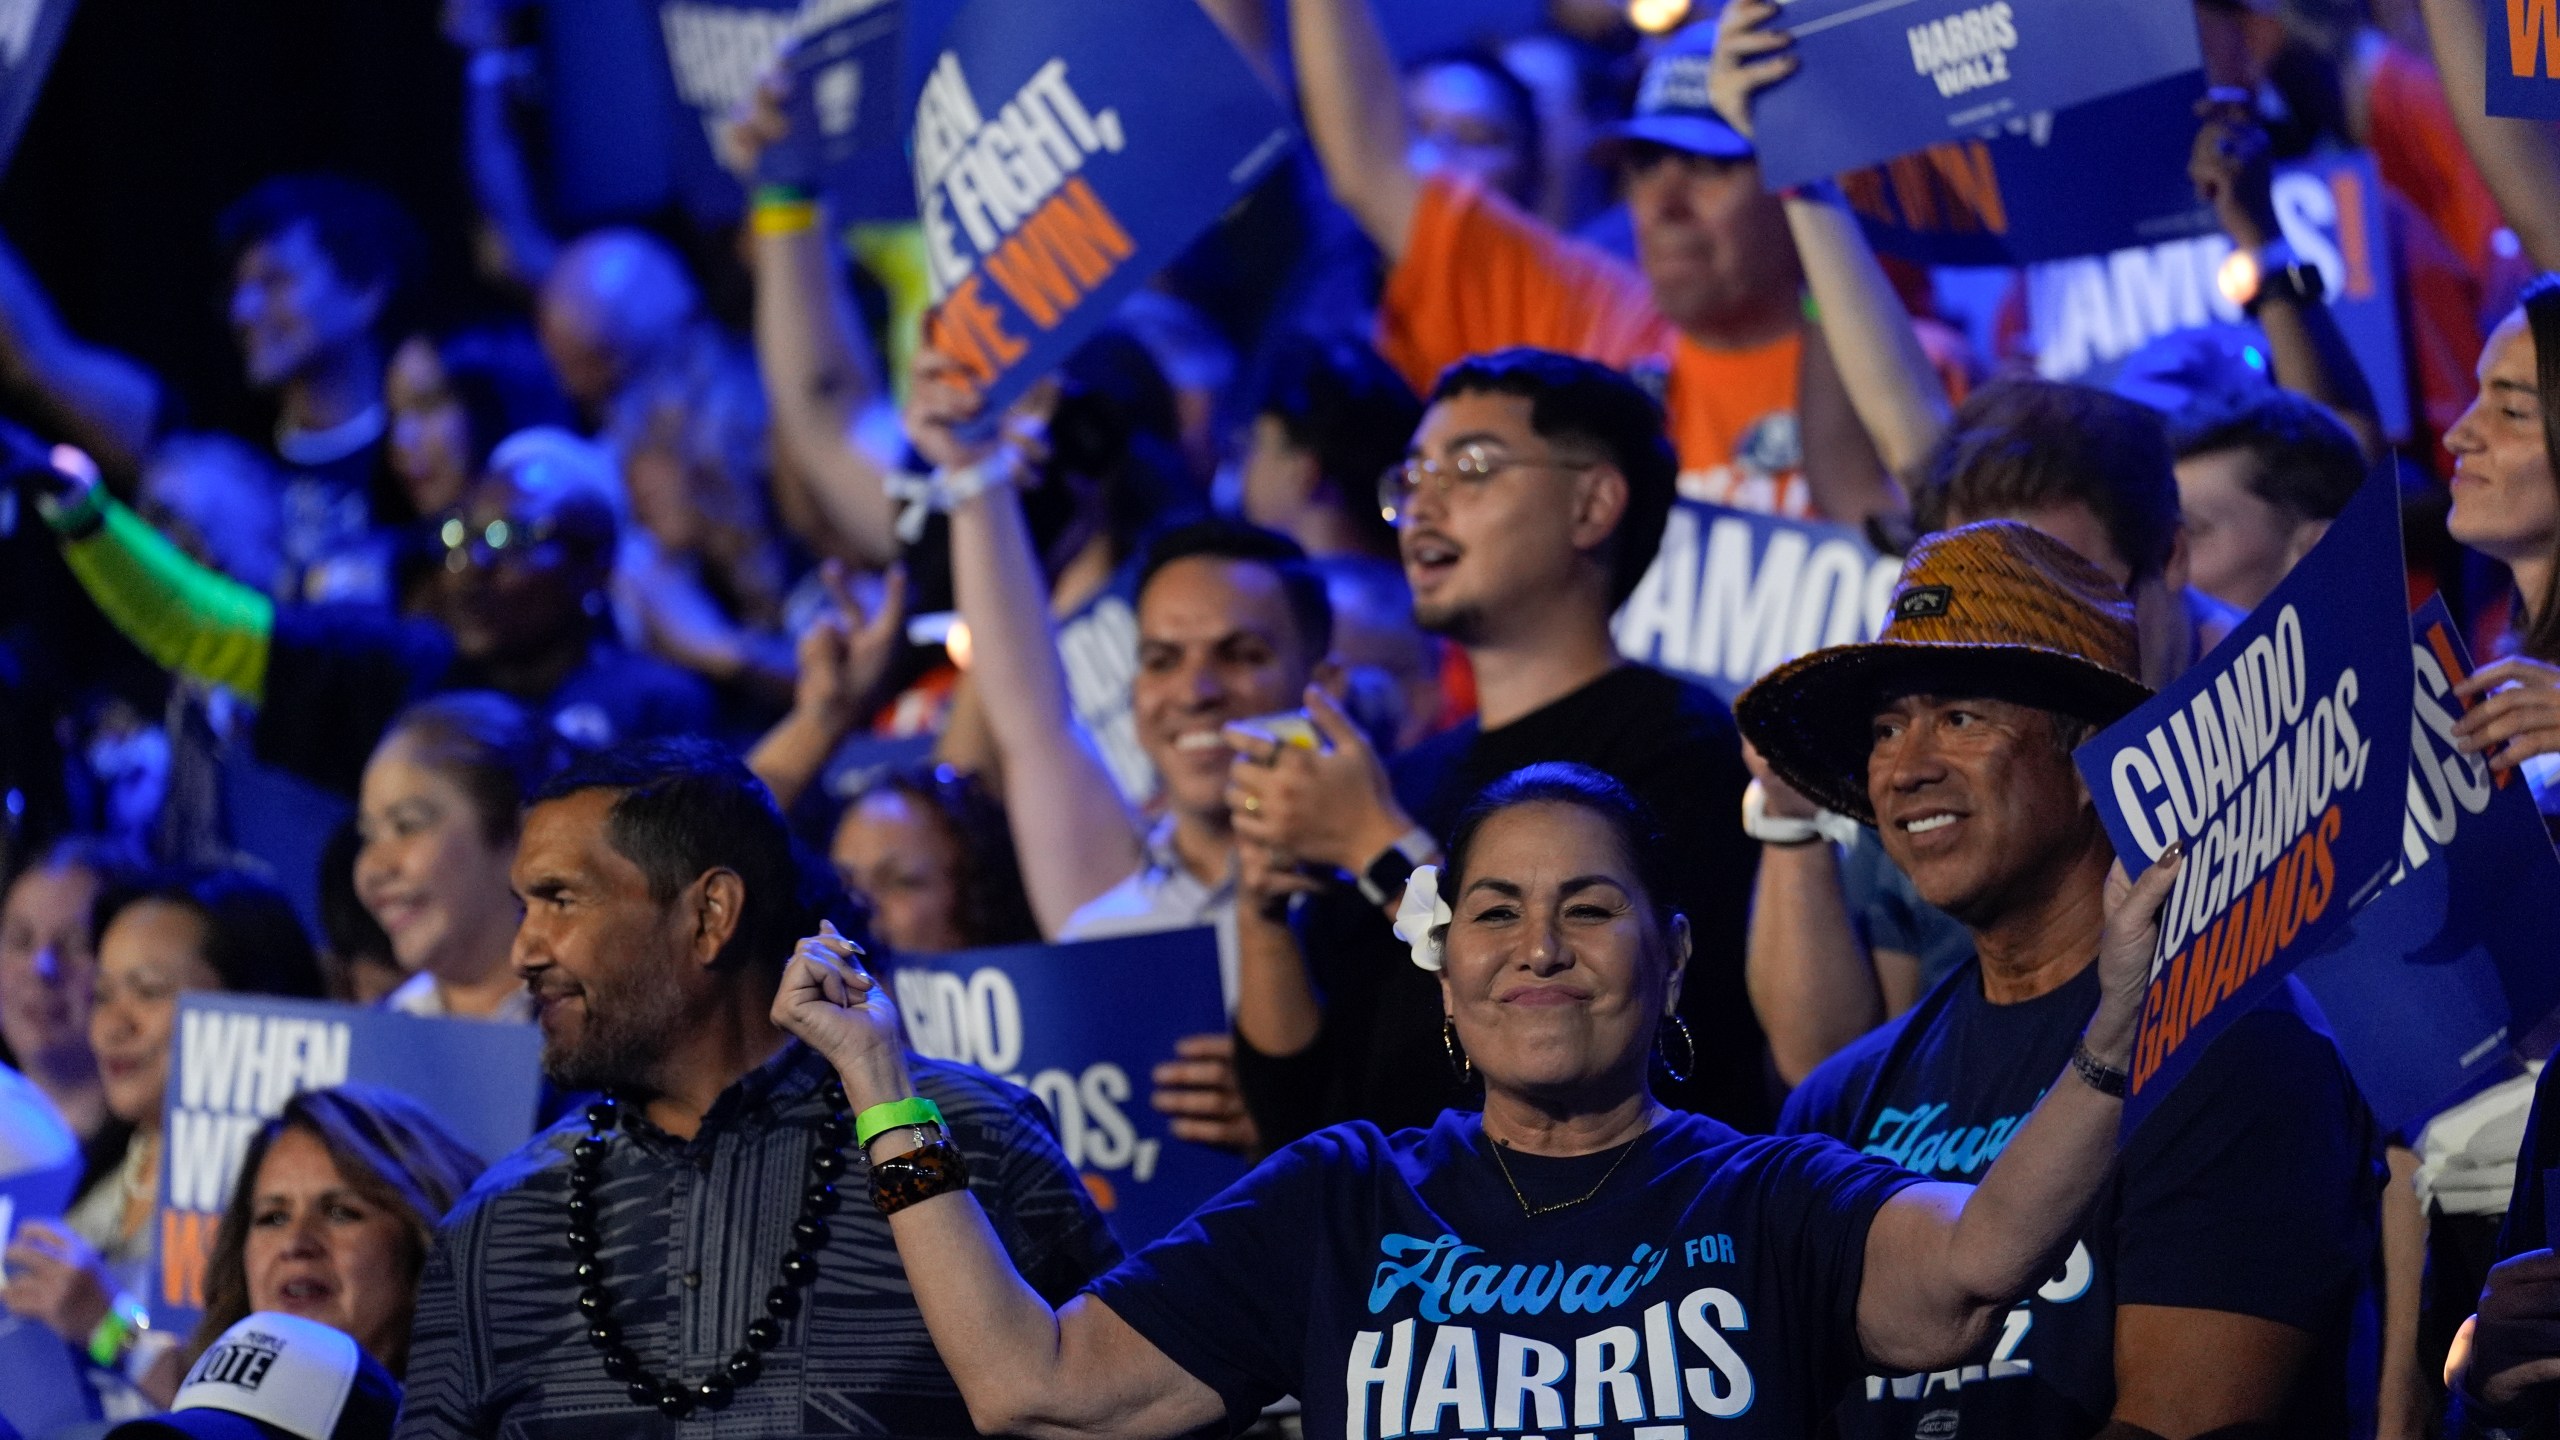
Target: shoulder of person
[[1820, 1105], [512, 1180], [1693, 710]]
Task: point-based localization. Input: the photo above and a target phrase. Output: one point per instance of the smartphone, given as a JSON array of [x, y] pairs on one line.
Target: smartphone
[[1288, 727]]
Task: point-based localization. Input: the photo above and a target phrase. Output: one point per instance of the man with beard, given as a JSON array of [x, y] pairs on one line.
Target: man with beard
[[643, 1255], [1532, 501], [517, 606]]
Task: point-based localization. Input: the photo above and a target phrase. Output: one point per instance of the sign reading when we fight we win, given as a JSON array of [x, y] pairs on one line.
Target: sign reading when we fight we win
[[1060, 160], [236, 1059], [2281, 762]]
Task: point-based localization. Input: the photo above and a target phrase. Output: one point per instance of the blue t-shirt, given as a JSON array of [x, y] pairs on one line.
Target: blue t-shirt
[[1394, 1285], [2253, 1189]]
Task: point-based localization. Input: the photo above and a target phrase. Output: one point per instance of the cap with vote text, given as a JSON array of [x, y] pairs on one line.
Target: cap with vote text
[[1671, 104], [278, 1377]]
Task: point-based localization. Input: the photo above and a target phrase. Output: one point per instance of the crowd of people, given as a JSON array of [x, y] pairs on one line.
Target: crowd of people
[[659, 659]]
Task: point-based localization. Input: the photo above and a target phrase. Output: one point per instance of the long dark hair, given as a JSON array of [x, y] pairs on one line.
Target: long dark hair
[[387, 1148], [990, 904], [2540, 303], [1558, 782], [253, 939]]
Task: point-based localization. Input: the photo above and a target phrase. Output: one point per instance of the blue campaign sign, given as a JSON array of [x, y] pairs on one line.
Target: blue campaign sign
[[1059, 162], [2524, 58], [2433, 985], [1732, 594], [30, 32], [1881, 78], [847, 99], [2088, 315], [715, 51], [1081, 1026], [2281, 762], [236, 1059], [44, 1389], [2093, 178]]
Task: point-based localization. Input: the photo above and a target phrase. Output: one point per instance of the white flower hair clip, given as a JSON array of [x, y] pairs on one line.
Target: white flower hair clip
[[1422, 916]]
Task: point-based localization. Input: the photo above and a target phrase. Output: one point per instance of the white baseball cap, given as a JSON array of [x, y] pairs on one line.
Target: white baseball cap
[[278, 1377]]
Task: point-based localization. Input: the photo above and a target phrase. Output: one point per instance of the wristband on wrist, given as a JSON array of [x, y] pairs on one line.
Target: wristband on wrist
[[117, 1331], [920, 1174], [2102, 1077], [871, 1124], [780, 217]]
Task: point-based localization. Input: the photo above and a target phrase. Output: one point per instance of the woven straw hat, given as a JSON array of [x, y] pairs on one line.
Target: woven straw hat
[[1994, 608]]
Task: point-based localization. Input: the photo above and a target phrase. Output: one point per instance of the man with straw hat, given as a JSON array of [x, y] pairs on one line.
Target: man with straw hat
[[2217, 1278]]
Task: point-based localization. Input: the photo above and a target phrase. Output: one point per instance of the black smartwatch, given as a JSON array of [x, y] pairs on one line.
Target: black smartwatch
[[1383, 881], [2275, 272]]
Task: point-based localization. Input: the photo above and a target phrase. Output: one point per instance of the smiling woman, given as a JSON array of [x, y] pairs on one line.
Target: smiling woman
[[338, 1198], [1693, 1269]]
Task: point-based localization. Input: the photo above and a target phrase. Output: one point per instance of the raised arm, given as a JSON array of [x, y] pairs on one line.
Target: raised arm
[[1353, 103], [1023, 1367], [185, 616], [2231, 167], [820, 376], [1074, 833], [843, 656], [1890, 383], [2520, 159], [1945, 1261], [1809, 978], [499, 181], [97, 399]]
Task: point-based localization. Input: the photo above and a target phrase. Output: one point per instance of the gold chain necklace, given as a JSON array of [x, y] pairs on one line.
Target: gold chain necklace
[[1533, 1213]]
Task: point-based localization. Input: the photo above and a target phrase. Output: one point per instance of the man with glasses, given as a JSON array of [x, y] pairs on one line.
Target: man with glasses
[[516, 605], [1530, 504]]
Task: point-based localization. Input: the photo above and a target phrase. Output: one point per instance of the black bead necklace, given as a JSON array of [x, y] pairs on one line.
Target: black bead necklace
[[672, 1396]]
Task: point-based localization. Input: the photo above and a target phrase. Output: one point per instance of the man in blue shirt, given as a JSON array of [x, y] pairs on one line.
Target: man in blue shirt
[[2216, 1280]]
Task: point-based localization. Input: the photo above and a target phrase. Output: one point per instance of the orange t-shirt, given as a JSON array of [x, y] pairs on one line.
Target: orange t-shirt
[[1478, 275], [2420, 153]]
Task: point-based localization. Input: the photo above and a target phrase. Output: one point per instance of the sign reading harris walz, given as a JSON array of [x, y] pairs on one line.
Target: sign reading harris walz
[[1881, 78], [2281, 760], [1060, 160]]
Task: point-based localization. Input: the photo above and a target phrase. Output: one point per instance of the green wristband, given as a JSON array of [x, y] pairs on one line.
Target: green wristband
[[116, 1331], [879, 1120]]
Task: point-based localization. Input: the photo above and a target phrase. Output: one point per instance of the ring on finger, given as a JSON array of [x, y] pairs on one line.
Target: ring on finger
[[1253, 804]]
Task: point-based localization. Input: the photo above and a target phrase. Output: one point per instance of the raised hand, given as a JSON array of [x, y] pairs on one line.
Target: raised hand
[[56, 1280], [1330, 807], [2125, 950], [1747, 60], [834, 1005], [2513, 714], [844, 654]]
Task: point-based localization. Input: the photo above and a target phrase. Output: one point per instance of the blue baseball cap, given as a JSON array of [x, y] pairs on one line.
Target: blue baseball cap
[[1671, 104]]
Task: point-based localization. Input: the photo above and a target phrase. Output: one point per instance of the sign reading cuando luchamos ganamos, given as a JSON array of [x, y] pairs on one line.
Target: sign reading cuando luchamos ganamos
[[2281, 761], [1063, 154]]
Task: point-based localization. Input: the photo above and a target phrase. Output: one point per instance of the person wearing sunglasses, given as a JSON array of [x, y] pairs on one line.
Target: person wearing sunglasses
[[516, 604]]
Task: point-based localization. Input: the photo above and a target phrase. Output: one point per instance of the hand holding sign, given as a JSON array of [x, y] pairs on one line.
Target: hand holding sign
[[2511, 712], [2124, 952], [759, 123], [2513, 1343], [1746, 59], [2232, 166], [833, 1005], [56, 1280]]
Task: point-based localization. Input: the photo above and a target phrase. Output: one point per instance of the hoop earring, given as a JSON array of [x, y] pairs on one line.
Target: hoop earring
[[1688, 1045], [1459, 1065]]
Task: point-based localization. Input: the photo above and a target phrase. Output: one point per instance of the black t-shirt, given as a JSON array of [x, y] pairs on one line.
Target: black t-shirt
[[2253, 1189], [337, 674], [336, 524], [1379, 1056], [1393, 1284]]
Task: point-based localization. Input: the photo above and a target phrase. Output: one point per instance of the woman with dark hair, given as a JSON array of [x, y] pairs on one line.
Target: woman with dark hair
[[338, 1200], [451, 402], [436, 813], [170, 934], [2506, 506], [1644, 1262], [927, 848]]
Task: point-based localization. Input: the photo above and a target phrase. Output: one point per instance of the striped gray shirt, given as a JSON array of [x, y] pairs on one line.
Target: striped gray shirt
[[694, 1235]]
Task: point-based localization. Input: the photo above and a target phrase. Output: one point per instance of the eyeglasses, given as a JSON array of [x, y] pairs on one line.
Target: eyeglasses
[[500, 539], [1466, 471]]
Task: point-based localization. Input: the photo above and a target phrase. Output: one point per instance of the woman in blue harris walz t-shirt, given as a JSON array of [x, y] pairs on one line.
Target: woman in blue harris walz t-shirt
[[1576, 1259]]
